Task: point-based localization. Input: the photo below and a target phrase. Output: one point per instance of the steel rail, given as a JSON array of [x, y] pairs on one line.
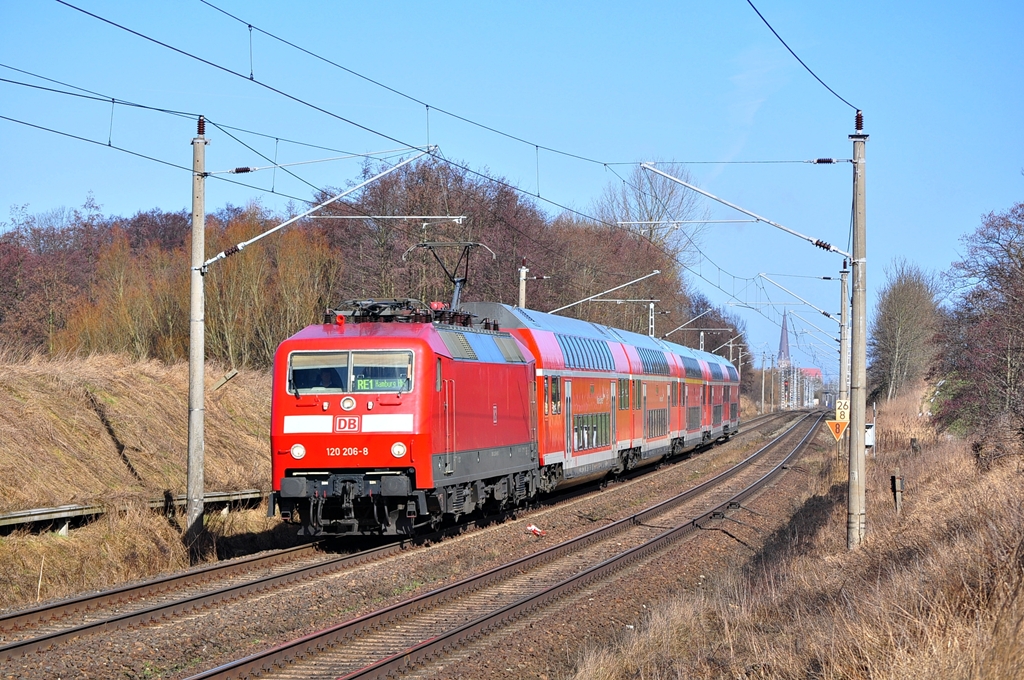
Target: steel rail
[[438, 645], [281, 655], [56, 610], [20, 648]]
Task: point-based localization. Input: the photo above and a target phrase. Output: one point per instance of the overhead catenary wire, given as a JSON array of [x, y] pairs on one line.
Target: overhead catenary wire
[[696, 247], [808, 68], [240, 246], [428, 107], [237, 74], [191, 115], [141, 155], [245, 169], [98, 97]]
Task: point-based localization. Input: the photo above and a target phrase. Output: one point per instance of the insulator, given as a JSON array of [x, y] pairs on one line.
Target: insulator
[[201, 127], [825, 161], [239, 171], [231, 251], [859, 125], [823, 245]]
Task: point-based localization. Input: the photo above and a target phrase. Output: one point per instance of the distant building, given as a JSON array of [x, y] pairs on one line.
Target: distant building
[[812, 373]]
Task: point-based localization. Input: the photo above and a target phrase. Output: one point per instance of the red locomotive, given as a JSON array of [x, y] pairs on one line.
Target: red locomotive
[[391, 415]]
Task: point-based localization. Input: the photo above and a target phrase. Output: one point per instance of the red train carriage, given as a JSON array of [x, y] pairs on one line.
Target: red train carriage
[[612, 399], [391, 415]]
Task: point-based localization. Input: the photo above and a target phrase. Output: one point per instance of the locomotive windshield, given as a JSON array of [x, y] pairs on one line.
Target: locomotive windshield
[[330, 372]]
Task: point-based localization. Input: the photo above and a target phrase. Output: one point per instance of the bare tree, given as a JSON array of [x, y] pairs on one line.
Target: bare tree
[[981, 363], [902, 331], [660, 210]]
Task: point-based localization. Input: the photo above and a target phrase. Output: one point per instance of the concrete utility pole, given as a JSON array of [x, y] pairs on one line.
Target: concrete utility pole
[[522, 285], [856, 526], [523, 278], [196, 344]]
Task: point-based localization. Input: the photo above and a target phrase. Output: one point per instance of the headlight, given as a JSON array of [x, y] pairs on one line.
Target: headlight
[[348, 403], [298, 451], [398, 449]]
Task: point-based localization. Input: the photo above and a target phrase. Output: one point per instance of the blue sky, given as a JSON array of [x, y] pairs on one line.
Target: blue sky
[[698, 83]]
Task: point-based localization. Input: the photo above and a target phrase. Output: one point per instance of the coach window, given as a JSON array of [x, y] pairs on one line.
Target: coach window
[[623, 394], [381, 371], [547, 393], [556, 395], [318, 372], [636, 395]]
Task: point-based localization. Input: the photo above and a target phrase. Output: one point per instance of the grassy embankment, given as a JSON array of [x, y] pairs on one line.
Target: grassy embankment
[[935, 592], [110, 431]]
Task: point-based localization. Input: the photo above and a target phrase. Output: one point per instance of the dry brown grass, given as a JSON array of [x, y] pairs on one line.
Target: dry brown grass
[[108, 430], [904, 418], [935, 592], [748, 407], [105, 429], [132, 543], [122, 546]]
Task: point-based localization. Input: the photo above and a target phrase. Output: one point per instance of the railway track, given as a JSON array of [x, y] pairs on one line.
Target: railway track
[[43, 627], [49, 626], [424, 627]]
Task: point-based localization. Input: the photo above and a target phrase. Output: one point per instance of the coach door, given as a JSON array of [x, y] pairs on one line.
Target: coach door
[[448, 408], [567, 387], [705, 404], [614, 402], [644, 412]]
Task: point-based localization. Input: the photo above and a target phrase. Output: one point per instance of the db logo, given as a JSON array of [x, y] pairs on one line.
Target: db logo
[[346, 424]]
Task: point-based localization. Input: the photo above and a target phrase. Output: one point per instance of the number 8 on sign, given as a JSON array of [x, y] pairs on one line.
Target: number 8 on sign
[[837, 427]]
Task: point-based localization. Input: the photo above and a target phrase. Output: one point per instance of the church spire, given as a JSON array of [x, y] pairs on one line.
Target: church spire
[[784, 344]]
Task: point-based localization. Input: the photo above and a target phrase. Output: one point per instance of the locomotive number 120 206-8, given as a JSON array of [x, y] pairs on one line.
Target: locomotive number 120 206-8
[[347, 451]]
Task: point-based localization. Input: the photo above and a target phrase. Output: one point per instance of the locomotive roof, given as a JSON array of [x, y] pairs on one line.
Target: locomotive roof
[[517, 317]]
